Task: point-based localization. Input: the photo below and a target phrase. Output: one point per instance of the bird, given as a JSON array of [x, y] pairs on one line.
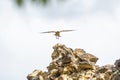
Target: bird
[[57, 33]]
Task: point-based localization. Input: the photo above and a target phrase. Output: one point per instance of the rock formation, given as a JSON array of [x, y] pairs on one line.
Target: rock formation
[[69, 64]]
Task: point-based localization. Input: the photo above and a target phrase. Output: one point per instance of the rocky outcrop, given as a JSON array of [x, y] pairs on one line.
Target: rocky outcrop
[[69, 64], [116, 70]]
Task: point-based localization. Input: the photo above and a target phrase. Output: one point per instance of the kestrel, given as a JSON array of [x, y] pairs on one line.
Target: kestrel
[[57, 33]]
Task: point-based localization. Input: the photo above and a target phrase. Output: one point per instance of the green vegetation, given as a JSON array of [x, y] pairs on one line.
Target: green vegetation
[[43, 2], [19, 2]]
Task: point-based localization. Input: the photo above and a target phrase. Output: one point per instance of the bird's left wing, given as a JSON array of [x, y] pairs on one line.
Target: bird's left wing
[[66, 30]]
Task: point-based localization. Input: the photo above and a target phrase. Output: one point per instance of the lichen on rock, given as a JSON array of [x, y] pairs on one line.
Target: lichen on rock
[[69, 64]]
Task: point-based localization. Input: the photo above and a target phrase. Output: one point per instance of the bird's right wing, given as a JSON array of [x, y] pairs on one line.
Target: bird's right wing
[[49, 32]]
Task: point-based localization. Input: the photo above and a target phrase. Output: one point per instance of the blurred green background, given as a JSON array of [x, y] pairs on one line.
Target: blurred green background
[[41, 2]]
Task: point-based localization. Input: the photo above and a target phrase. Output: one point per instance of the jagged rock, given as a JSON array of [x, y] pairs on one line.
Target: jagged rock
[[86, 65], [36, 75], [105, 68], [69, 64], [78, 52], [105, 71], [60, 51], [52, 65], [116, 74], [116, 77], [91, 57], [117, 64]]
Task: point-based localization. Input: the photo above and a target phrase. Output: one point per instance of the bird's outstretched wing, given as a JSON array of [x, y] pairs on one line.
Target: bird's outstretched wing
[[49, 32], [66, 30]]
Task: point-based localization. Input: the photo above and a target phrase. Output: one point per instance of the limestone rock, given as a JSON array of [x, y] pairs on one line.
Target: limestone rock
[[36, 75], [105, 72], [69, 64]]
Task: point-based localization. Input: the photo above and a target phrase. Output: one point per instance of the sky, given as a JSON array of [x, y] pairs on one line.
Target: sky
[[23, 49]]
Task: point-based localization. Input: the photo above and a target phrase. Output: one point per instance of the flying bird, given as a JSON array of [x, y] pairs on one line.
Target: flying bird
[[57, 33]]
